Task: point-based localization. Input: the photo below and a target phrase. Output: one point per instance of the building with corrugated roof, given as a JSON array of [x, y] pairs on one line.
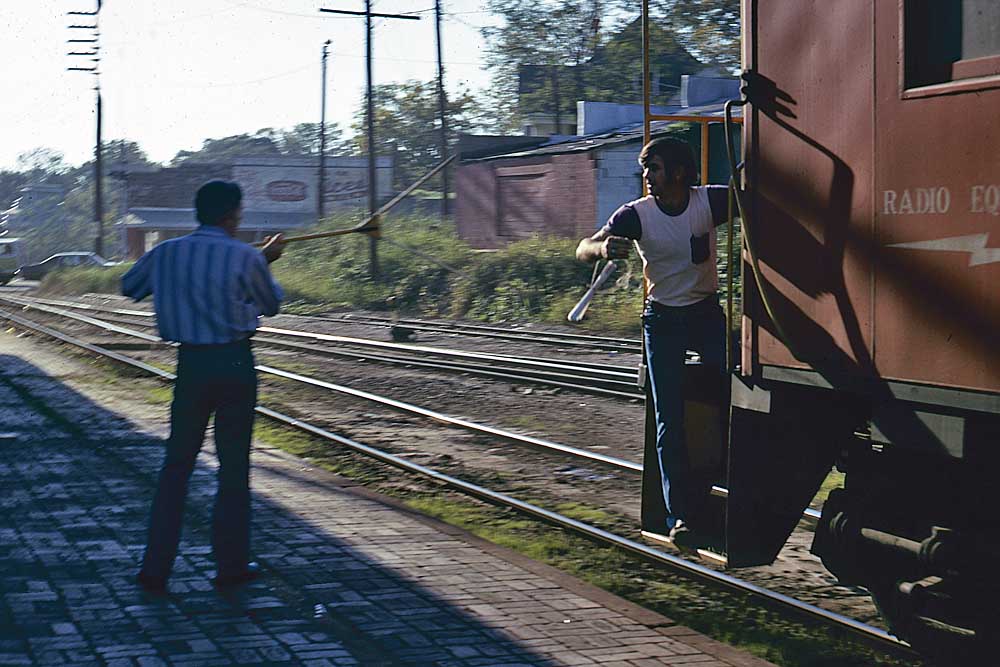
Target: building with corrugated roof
[[569, 187]]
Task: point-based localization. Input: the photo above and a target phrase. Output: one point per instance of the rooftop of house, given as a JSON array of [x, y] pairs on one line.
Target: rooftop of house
[[602, 124]]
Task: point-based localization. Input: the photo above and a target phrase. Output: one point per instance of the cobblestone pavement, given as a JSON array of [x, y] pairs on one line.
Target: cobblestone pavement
[[351, 578]]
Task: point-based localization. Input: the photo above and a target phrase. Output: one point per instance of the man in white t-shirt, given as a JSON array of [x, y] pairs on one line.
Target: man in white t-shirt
[[673, 230]]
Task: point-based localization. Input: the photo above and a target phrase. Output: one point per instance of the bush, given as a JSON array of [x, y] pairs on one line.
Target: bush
[[521, 281], [84, 280], [334, 272]]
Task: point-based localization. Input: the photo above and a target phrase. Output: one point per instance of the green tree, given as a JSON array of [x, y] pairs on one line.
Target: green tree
[[119, 154], [535, 54], [51, 221], [710, 29], [614, 74], [224, 149], [548, 54], [42, 163], [407, 126], [303, 139], [11, 183]]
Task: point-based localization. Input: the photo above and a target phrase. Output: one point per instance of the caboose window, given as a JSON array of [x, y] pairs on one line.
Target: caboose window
[[950, 40]]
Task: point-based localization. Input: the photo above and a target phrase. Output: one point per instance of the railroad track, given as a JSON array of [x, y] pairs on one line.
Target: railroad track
[[560, 338], [586, 377], [810, 516], [869, 633]]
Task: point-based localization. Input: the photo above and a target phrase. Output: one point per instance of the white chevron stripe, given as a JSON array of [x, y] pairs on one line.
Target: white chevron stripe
[[973, 243]]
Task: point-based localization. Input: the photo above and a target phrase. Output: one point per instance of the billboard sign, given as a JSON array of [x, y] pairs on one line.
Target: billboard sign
[[282, 185]]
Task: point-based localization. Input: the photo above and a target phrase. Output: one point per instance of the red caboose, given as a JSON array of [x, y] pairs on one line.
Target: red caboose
[[872, 335]]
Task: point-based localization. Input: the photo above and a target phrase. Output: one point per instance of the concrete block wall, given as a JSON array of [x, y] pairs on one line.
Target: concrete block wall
[[619, 179]]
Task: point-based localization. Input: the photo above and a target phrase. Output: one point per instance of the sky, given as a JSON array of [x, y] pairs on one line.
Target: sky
[[177, 72]]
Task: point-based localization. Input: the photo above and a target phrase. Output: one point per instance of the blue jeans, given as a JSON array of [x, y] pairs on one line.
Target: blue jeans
[[218, 379], [669, 331]]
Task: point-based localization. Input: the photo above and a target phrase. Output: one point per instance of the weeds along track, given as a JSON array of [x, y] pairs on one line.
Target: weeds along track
[[346, 400]]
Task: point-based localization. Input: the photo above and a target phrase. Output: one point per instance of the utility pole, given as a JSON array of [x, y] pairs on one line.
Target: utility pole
[[322, 139], [94, 56], [442, 109], [123, 196], [98, 189], [370, 115]]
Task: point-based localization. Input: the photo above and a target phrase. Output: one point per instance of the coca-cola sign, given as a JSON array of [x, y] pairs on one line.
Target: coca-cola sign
[[286, 190]]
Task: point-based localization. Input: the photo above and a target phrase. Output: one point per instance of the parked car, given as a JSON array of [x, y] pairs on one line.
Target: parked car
[[62, 260]]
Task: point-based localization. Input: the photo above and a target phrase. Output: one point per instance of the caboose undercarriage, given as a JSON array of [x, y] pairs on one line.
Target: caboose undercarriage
[[914, 523]]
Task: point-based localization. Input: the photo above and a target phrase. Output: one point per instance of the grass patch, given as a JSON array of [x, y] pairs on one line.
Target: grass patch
[[161, 395], [83, 280], [733, 618], [834, 480], [585, 513], [526, 422]]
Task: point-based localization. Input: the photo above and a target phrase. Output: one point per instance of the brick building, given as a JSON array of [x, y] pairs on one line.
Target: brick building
[[279, 195], [568, 188]]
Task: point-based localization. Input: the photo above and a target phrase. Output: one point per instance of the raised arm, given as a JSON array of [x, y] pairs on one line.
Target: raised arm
[[138, 282]]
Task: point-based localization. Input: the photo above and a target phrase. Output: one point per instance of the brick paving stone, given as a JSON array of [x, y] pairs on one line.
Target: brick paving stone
[[349, 578], [275, 654], [151, 661], [571, 658]]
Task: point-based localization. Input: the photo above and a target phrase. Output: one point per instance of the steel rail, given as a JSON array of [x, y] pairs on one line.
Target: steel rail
[[563, 381], [867, 632], [539, 443], [629, 371], [586, 383], [87, 306], [459, 354], [450, 324], [547, 338], [599, 373]]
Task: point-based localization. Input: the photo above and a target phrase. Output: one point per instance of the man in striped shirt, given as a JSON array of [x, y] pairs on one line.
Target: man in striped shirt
[[209, 291]]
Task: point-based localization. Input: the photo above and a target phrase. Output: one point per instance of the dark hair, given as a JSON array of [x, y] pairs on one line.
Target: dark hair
[[674, 153], [215, 200]]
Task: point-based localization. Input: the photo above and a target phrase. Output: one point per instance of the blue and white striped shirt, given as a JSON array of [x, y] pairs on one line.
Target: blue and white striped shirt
[[208, 288]]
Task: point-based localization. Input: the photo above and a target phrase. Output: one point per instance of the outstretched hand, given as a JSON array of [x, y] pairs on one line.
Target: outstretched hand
[[273, 247], [616, 247]]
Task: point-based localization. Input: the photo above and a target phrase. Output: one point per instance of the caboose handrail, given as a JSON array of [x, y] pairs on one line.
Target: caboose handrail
[[746, 227]]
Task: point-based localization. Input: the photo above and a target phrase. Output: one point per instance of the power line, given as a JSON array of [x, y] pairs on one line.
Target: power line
[[454, 18], [237, 84]]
